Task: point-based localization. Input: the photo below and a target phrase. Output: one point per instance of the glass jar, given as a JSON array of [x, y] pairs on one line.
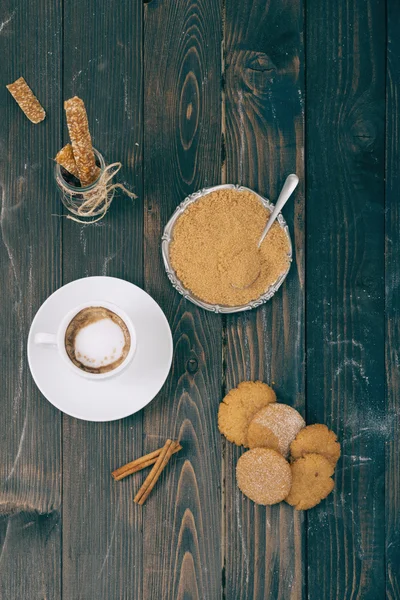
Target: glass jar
[[85, 202]]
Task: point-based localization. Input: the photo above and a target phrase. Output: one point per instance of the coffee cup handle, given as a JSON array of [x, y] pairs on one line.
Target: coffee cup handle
[[48, 339]]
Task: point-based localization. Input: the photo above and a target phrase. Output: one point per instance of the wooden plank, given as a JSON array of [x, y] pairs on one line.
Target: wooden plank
[[392, 305], [102, 550], [345, 290], [264, 551], [30, 429], [182, 98]]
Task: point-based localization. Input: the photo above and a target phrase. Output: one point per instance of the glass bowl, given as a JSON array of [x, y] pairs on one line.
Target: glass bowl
[[169, 235]]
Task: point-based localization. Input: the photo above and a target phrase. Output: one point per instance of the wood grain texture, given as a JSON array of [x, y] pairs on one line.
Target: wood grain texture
[[345, 291], [30, 467], [392, 304], [182, 99], [101, 533], [67, 529], [264, 555]]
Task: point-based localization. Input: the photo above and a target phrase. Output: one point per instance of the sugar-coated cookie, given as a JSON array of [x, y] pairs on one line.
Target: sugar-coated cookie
[[264, 476], [274, 426], [239, 406]]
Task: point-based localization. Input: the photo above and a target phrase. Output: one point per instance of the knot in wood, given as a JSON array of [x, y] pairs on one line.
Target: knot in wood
[[192, 365]]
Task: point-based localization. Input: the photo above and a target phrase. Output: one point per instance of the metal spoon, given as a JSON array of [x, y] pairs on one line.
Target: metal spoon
[[287, 190]]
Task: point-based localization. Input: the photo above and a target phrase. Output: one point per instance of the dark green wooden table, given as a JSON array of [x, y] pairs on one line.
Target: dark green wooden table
[[187, 94]]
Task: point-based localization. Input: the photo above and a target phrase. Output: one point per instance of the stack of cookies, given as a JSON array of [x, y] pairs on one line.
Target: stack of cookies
[[287, 460]]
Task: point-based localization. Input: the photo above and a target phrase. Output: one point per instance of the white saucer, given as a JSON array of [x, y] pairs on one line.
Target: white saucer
[[127, 392]]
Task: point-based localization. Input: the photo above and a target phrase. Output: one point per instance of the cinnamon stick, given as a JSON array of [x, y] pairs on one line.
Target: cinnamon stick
[[156, 471], [139, 463]]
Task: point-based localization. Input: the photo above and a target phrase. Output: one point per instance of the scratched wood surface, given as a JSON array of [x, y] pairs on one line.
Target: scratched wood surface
[[182, 132], [101, 546], [345, 292], [264, 143], [392, 306], [188, 94], [30, 465]]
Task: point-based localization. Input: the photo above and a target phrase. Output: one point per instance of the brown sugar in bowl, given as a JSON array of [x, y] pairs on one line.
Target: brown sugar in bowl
[[168, 238]]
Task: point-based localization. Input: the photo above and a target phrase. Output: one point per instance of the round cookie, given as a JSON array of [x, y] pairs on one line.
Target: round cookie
[[239, 406], [316, 439], [264, 476], [274, 426], [311, 481]]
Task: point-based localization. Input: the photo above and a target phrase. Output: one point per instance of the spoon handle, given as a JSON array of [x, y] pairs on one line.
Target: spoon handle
[[288, 188]]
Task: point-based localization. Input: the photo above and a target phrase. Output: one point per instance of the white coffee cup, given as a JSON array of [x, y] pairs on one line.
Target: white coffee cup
[[57, 340]]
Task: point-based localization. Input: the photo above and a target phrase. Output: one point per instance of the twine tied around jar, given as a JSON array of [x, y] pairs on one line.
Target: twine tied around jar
[[93, 202]]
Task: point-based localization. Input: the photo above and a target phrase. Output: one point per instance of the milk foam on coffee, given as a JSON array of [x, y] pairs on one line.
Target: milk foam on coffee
[[97, 340], [99, 344]]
